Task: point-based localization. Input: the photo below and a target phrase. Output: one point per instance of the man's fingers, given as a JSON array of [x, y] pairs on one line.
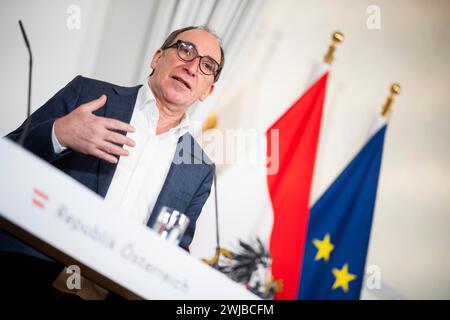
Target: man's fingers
[[95, 104], [112, 149], [119, 138], [114, 124], [105, 156]]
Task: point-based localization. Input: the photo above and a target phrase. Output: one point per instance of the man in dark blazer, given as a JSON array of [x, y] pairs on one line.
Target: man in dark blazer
[[87, 127]]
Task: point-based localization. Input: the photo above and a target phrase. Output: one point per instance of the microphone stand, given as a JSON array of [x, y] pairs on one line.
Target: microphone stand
[[217, 213], [214, 261]]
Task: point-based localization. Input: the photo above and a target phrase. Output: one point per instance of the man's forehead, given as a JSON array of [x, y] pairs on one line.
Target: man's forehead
[[206, 43]]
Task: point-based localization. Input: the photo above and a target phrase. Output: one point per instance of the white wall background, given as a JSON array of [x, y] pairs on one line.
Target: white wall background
[[410, 235], [59, 53]]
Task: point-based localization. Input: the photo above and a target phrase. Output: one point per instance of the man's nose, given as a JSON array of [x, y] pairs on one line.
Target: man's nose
[[192, 66]]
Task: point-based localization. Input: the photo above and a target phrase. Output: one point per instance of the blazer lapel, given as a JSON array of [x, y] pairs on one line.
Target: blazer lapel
[[186, 172], [120, 106]]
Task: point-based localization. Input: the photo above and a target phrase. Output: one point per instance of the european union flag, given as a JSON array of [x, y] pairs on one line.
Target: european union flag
[[339, 228]]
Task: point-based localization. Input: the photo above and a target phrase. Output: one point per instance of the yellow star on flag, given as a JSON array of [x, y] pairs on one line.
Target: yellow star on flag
[[343, 277], [324, 248]]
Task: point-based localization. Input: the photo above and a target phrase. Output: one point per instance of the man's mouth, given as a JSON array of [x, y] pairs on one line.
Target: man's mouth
[[182, 81]]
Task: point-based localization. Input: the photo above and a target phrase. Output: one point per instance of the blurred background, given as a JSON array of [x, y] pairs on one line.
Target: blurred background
[[271, 47]]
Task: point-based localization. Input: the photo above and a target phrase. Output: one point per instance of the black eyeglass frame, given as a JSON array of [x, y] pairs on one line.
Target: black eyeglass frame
[[177, 45]]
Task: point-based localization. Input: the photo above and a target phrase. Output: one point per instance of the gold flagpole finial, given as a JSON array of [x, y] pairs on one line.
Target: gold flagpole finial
[[336, 38], [387, 107], [210, 122]]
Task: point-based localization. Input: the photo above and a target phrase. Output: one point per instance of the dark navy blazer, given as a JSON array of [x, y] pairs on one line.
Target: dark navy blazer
[[188, 182]]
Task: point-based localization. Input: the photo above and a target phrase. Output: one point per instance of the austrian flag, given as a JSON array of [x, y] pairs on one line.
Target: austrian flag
[[290, 187]]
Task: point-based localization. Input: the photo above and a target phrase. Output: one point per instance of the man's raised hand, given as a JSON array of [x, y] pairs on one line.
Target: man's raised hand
[[82, 131]]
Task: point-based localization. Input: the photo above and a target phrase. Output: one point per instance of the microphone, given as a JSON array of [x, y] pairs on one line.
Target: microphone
[[28, 121]]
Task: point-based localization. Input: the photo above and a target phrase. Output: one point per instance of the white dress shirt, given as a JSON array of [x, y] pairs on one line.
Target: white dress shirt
[[139, 177]]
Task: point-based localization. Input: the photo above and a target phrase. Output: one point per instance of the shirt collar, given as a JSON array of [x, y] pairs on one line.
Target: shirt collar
[[145, 95], [146, 98]]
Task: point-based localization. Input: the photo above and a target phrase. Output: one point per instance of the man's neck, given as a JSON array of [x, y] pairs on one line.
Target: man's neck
[[168, 118]]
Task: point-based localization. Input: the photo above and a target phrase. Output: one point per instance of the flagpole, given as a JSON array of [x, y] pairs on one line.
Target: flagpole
[[337, 37], [387, 107]]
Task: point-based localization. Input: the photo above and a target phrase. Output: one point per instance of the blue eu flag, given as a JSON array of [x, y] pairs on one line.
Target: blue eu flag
[[339, 228]]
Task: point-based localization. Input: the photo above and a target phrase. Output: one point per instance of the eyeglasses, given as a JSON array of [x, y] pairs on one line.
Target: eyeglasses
[[187, 52]]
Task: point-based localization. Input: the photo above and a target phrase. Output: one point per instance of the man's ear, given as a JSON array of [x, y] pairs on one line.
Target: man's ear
[[207, 93], [156, 58]]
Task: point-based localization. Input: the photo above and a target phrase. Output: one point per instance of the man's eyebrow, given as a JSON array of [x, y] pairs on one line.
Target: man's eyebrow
[[195, 47]]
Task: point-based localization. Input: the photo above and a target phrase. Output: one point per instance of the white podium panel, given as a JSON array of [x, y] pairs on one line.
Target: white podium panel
[[46, 204]]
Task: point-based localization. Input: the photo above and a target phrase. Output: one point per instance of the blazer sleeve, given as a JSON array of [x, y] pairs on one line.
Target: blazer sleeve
[[38, 138], [195, 208]]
